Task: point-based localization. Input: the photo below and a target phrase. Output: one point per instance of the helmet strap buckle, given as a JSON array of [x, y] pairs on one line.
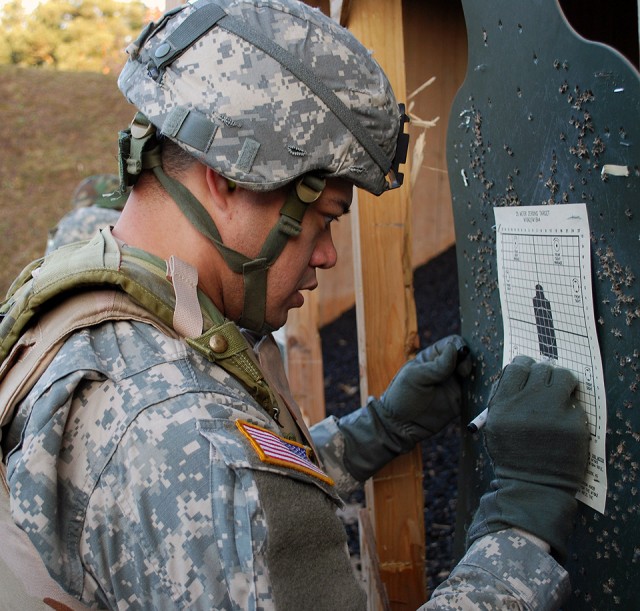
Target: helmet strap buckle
[[309, 188], [137, 150], [395, 177]]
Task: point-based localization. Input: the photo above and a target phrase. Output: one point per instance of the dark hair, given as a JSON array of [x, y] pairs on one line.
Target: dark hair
[[175, 160]]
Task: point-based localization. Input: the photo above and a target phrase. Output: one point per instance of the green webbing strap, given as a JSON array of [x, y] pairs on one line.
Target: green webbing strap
[[198, 216], [101, 263], [254, 276], [304, 191], [188, 204], [254, 271], [193, 27], [142, 131], [308, 77], [134, 152], [190, 127]]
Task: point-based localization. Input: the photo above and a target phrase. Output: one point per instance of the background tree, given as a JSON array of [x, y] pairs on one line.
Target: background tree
[[12, 43], [88, 35]]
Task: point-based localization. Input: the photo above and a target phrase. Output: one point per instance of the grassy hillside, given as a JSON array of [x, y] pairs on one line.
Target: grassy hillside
[[56, 128]]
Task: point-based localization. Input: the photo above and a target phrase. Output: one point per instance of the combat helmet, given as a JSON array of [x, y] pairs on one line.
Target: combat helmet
[[267, 93]]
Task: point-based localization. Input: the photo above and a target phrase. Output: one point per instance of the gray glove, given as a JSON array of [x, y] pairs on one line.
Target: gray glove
[[538, 439], [422, 399]]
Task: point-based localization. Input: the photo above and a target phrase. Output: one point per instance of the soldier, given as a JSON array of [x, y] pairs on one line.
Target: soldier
[[96, 203], [154, 456]]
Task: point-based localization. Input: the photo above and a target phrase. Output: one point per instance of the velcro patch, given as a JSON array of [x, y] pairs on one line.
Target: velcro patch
[[276, 450]]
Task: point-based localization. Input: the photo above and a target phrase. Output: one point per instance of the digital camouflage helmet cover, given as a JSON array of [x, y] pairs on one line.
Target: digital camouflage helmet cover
[[266, 93]]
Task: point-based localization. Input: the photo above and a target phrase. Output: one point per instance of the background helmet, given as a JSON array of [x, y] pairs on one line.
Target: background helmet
[[266, 91], [96, 203]]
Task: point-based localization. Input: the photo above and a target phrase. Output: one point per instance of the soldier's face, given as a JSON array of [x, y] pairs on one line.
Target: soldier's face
[[294, 271]]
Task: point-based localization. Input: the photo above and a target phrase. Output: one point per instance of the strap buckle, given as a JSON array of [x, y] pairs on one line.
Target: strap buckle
[[395, 177], [309, 188], [141, 127]]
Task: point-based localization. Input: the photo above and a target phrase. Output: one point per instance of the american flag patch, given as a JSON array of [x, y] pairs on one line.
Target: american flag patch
[[276, 450]]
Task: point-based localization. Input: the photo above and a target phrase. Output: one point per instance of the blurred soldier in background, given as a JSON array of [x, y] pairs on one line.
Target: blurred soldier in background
[[96, 203]]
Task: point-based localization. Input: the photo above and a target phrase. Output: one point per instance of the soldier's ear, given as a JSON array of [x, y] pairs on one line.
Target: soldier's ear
[[219, 188]]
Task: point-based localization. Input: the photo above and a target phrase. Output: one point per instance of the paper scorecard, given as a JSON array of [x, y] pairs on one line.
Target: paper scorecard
[[544, 278]]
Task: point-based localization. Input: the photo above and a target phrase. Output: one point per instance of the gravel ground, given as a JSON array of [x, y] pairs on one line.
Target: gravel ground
[[437, 305]]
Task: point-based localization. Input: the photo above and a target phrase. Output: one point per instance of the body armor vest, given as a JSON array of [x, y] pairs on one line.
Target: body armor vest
[[85, 284]]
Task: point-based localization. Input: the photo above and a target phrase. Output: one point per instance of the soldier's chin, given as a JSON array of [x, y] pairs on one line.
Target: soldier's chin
[[297, 301], [278, 318], [276, 323]]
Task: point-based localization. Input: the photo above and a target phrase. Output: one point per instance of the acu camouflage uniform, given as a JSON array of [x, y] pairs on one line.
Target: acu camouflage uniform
[[137, 487]]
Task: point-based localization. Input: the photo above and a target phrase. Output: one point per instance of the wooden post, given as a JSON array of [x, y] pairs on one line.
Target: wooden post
[[387, 327]]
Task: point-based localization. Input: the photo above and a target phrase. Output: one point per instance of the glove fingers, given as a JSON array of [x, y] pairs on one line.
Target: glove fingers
[[435, 350], [522, 361], [565, 379], [540, 375], [463, 362], [445, 364], [545, 378], [514, 378]]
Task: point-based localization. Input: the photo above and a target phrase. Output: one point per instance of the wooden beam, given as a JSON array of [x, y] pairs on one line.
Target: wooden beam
[[371, 563], [387, 327], [345, 7]]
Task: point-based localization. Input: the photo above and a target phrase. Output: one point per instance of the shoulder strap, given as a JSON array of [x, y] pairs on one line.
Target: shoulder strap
[[37, 347], [89, 267]]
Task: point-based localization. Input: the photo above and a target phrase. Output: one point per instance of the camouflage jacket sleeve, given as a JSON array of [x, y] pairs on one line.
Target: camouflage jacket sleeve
[[330, 445], [134, 483], [504, 570]]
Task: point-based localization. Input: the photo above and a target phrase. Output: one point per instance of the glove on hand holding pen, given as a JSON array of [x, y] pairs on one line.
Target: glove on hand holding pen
[[538, 439], [422, 399]]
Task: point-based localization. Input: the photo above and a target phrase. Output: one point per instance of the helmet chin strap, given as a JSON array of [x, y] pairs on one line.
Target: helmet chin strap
[[254, 271], [304, 191]]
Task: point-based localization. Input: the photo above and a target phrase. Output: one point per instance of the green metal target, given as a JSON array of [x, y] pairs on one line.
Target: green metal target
[[541, 112]]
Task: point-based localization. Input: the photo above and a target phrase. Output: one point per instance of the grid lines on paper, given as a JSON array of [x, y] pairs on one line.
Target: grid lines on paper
[[545, 304]]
